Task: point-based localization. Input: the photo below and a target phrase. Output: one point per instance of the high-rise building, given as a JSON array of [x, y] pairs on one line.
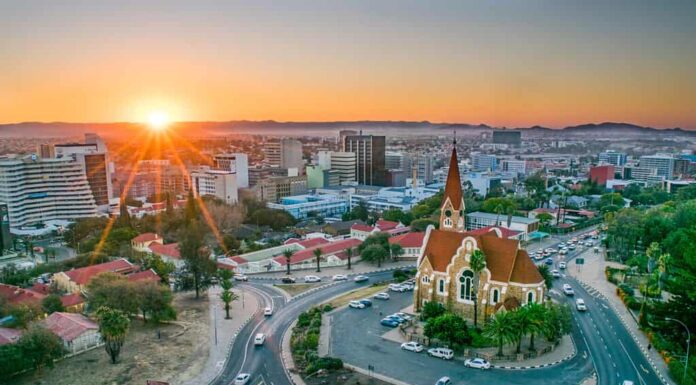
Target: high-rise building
[[318, 177], [237, 163], [46, 151], [518, 167], [639, 173], [601, 174], [483, 162], [425, 164], [284, 153], [38, 190], [394, 160], [612, 157], [274, 188], [343, 163], [509, 137], [369, 151], [217, 183], [663, 163], [5, 235]]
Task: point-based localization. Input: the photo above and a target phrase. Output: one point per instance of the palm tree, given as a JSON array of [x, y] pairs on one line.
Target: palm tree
[[537, 315], [477, 262], [287, 253], [522, 326], [227, 296], [349, 254], [113, 326], [501, 329], [317, 254]]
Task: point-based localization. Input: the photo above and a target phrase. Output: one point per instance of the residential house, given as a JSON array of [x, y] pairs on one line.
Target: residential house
[[411, 243], [77, 332], [75, 281]]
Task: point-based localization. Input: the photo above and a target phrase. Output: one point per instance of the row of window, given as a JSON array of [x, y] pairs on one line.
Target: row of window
[[466, 289]]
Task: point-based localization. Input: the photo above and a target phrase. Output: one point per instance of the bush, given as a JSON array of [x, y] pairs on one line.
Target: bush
[[478, 340], [431, 310]]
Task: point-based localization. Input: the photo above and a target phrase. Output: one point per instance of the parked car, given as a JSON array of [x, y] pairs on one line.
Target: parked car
[[444, 353], [412, 346], [580, 304], [548, 261], [396, 318], [389, 322], [340, 277], [627, 382], [268, 311], [259, 339], [361, 278], [477, 363], [384, 296], [241, 277], [365, 302], [396, 287], [555, 273], [561, 265], [563, 252], [568, 290], [311, 279], [288, 280], [356, 305], [242, 379], [407, 286], [444, 381], [561, 245], [571, 247], [403, 315]]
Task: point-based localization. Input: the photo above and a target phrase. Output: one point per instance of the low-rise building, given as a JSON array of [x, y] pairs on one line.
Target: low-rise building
[[303, 206], [77, 332], [526, 226], [411, 243], [75, 281]]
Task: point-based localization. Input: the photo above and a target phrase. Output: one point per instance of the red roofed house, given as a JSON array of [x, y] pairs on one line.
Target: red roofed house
[[143, 241], [73, 303], [77, 332], [332, 254], [501, 232], [168, 253], [9, 336], [15, 295], [444, 275], [361, 231], [307, 243], [74, 281], [411, 243], [145, 275]]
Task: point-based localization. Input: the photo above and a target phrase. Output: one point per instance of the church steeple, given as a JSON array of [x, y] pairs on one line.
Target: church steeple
[[452, 208]]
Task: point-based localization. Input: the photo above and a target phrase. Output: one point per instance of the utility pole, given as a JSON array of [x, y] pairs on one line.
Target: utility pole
[[688, 345]]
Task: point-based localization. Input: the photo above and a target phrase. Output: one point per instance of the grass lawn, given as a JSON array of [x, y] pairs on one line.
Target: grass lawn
[[296, 288], [365, 292]]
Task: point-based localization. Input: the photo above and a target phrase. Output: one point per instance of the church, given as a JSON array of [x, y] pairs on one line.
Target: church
[[509, 280]]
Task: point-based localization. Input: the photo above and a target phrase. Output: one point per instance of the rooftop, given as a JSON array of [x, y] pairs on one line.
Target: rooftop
[[69, 326]]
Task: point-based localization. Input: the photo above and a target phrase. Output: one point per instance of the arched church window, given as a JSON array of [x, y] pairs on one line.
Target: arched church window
[[530, 297], [466, 285]]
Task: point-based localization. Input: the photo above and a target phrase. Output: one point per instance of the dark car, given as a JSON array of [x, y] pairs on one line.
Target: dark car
[[366, 302], [548, 261], [288, 280], [389, 322]]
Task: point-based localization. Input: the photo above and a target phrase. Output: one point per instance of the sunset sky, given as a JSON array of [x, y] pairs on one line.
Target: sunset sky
[[504, 63]]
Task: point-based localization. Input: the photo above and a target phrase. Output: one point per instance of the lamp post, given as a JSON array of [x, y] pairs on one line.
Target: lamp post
[[688, 344], [215, 307]]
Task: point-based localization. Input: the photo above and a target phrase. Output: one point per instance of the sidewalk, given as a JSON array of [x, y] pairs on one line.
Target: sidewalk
[[591, 274], [356, 268], [227, 330]]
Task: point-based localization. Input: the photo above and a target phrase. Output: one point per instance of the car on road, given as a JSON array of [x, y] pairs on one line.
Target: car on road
[[477, 363], [361, 278], [288, 280], [365, 302], [563, 252], [408, 286], [242, 379], [356, 305], [444, 381], [268, 311], [555, 273], [568, 290], [396, 287], [311, 279], [383, 296], [389, 322], [561, 245], [548, 261], [571, 247], [562, 265], [580, 304], [403, 315], [444, 353], [340, 277], [627, 382], [412, 346], [259, 339], [241, 277], [396, 318]]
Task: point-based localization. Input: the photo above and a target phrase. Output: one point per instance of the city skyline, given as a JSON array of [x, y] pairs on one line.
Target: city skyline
[[502, 64]]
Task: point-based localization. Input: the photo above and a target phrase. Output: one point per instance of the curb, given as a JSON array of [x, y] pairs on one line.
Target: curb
[[375, 375], [251, 277], [289, 362], [566, 358]]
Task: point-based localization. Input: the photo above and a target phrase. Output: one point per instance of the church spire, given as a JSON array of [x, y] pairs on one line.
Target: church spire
[[453, 186]]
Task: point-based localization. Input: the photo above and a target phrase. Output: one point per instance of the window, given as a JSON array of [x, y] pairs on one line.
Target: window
[[495, 296], [441, 286], [530, 297], [448, 222], [465, 285], [425, 279]]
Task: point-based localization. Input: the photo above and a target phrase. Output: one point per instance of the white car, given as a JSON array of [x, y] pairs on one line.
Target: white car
[[580, 304], [412, 346], [444, 353], [268, 311], [241, 277], [568, 290], [404, 316], [242, 379], [384, 296], [259, 339], [340, 277], [444, 381], [477, 363], [311, 279], [356, 305], [396, 287], [361, 278], [407, 286], [627, 382], [561, 265], [555, 273]]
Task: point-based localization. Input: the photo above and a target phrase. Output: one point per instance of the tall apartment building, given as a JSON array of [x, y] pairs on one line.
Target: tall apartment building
[[370, 158], [395, 160], [46, 151], [38, 190], [284, 153], [613, 157], [217, 183], [663, 163], [483, 162], [642, 174], [237, 163], [425, 165], [518, 167], [174, 180], [342, 163], [509, 137]]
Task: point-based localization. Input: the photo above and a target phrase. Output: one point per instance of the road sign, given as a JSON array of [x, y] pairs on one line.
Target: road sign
[[579, 261]]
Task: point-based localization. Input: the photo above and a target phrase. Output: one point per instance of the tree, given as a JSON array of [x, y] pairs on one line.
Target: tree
[[546, 274], [169, 204], [558, 321], [501, 329], [155, 301], [431, 310], [422, 224], [24, 313], [450, 329], [113, 291], [52, 304], [287, 253], [522, 323], [230, 243], [317, 254], [349, 254], [544, 218], [124, 215], [536, 316], [374, 253], [477, 262], [358, 212], [191, 212], [39, 347], [395, 250], [113, 327], [198, 266], [227, 296]]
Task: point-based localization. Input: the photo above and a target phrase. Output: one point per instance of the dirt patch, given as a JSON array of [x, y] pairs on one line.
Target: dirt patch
[[179, 353], [366, 292], [296, 288], [345, 377]]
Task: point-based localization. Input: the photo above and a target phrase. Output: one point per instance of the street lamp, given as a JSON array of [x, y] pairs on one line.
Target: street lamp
[[215, 307], [688, 344]]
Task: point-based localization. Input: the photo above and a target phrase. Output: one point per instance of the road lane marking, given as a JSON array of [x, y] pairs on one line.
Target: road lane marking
[[642, 381]]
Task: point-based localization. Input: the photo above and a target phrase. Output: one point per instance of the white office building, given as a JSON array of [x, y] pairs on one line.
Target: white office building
[[663, 163], [613, 157], [484, 162], [303, 206], [236, 163], [518, 167], [342, 163], [217, 183], [39, 190]]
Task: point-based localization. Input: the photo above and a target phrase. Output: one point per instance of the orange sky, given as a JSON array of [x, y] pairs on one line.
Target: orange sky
[[503, 64]]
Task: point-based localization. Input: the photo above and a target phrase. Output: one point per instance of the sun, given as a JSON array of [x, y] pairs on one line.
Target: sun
[[158, 120]]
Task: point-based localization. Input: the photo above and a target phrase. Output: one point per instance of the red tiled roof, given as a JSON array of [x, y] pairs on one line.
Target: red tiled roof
[[146, 237], [386, 225], [71, 300], [69, 326], [362, 227], [9, 336], [326, 249], [307, 243], [505, 232], [15, 295], [453, 186], [170, 250], [40, 288], [409, 239], [82, 275], [145, 275]]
